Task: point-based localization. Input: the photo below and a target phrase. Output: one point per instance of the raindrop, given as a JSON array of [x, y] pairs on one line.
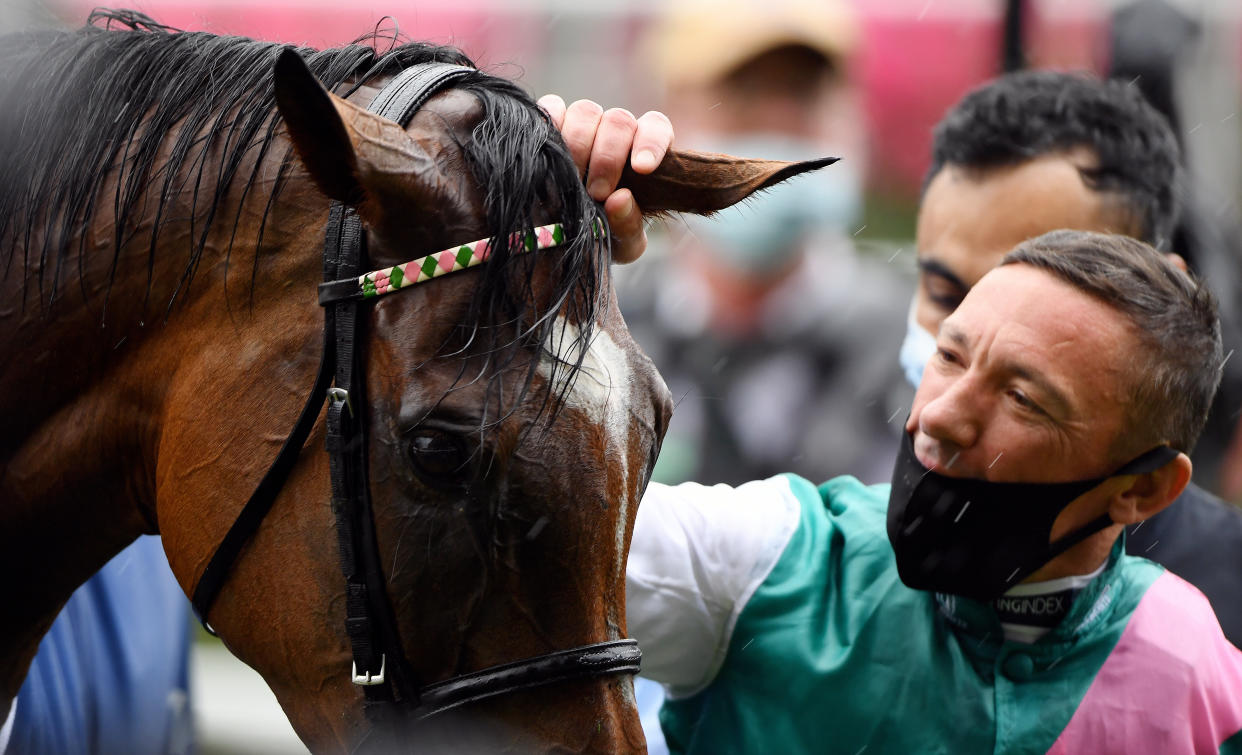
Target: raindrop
[[537, 528]]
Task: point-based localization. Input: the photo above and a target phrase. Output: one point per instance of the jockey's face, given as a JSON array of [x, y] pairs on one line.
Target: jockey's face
[[1029, 384]]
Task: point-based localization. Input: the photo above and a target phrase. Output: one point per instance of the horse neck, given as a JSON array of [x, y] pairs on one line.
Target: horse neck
[[88, 394]]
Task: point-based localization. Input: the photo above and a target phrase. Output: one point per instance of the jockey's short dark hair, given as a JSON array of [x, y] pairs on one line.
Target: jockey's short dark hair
[[1173, 315]]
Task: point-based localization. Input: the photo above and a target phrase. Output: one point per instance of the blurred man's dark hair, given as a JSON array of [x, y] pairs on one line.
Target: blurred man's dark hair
[[1024, 115]]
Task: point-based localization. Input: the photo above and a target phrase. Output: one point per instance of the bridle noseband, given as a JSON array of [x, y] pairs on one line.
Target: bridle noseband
[[379, 664]]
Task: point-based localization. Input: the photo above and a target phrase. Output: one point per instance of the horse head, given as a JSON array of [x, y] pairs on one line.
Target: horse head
[[510, 421]]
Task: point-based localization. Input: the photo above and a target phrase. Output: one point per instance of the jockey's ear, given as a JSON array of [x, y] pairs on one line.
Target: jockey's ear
[[703, 182]]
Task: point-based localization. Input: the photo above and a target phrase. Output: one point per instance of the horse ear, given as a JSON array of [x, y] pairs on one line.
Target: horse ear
[[317, 130], [704, 182]]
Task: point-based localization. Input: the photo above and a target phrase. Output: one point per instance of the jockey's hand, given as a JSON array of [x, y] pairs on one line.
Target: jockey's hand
[[601, 141]]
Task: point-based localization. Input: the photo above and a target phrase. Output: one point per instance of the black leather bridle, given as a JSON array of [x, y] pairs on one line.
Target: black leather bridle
[[379, 664]]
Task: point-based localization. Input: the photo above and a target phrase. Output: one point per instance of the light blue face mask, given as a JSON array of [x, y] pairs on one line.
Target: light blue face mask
[[765, 234], [916, 350]]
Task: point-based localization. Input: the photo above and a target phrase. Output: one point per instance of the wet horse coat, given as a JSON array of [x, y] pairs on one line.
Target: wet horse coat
[[162, 227]]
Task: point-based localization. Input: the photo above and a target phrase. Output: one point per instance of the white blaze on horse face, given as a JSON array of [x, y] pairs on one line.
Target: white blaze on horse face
[[600, 391]]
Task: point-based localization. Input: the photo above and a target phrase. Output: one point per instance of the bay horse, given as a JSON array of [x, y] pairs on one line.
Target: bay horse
[[163, 211]]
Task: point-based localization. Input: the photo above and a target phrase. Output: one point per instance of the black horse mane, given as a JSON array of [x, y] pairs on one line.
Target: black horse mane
[[78, 106]]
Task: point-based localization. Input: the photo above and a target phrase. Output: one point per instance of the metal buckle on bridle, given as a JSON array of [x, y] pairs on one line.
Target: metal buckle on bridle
[[341, 396], [368, 679]]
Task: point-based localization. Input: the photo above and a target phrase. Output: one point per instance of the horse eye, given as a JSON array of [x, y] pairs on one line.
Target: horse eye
[[439, 457]]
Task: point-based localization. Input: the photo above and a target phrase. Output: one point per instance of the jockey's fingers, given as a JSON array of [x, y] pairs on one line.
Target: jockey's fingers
[[578, 129], [611, 151], [652, 139], [626, 222], [554, 106]]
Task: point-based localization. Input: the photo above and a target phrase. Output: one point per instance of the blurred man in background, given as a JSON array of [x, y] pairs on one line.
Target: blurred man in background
[[771, 330]]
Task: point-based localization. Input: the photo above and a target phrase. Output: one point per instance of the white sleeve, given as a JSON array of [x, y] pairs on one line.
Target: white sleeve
[[698, 555]]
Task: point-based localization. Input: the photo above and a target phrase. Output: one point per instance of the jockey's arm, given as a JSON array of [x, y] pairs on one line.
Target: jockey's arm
[[697, 556]]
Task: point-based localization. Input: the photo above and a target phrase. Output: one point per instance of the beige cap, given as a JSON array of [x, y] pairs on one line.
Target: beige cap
[[700, 41]]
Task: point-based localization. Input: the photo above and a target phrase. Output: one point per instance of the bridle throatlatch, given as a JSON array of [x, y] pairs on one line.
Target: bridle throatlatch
[[379, 664]]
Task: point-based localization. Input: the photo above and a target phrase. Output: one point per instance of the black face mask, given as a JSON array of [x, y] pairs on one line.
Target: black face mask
[[976, 538]]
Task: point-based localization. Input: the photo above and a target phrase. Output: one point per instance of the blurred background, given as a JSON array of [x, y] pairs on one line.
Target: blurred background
[[914, 58], [785, 318]]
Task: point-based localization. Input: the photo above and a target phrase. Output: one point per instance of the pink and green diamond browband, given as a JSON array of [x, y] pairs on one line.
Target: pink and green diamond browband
[[379, 282]]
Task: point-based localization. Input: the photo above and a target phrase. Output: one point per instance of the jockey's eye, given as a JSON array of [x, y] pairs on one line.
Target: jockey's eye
[[440, 457]]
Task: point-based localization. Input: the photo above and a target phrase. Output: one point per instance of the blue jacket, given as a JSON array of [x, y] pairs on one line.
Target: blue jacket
[[111, 675]]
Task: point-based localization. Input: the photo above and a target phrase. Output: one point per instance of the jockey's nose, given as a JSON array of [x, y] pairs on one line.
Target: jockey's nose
[[953, 411]]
